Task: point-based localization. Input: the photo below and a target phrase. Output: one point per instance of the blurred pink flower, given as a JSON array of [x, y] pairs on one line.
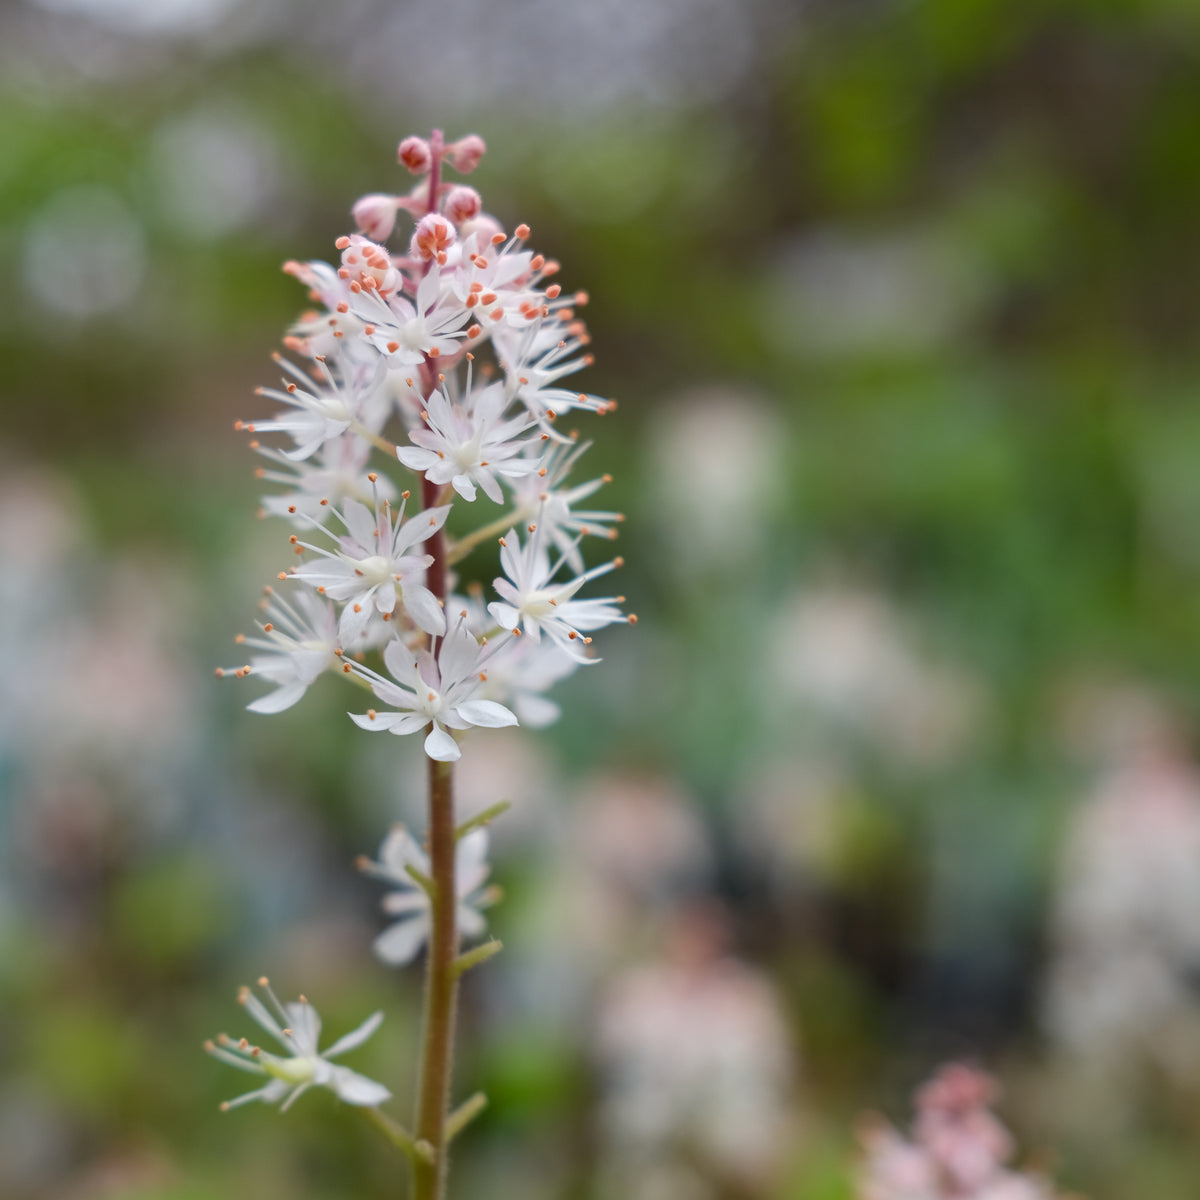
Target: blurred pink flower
[[958, 1149]]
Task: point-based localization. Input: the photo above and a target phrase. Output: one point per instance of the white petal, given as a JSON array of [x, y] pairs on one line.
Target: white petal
[[536, 712], [402, 663], [439, 745], [361, 524], [470, 862], [380, 722], [471, 923], [410, 723], [357, 1089], [423, 607], [417, 459], [459, 655], [275, 1090], [504, 615], [355, 1037], [279, 700], [399, 943], [485, 712], [353, 624], [404, 904], [491, 488], [399, 852], [305, 1025]]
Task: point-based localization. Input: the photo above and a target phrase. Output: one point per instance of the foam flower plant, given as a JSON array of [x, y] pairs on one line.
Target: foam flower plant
[[421, 394]]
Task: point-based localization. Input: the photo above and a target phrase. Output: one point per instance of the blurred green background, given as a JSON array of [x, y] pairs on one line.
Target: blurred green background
[[900, 302]]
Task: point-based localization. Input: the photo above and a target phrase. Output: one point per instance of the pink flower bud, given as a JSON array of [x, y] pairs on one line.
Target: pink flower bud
[[415, 154], [433, 236], [464, 155], [375, 216], [367, 264], [462, 204], [484, 227]]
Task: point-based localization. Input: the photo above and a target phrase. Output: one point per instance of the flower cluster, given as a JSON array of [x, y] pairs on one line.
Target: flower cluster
[[416, 420], [395, 349], [958, 1149]]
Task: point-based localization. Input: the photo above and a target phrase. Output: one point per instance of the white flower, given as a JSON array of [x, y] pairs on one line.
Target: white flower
[[298, 643], [297, 1030], [333, 331], [399, 943], [444, 693], [534, 363], [466, 445], [321, 413], [522, 673], [533, 601], [320, 485], [405, 332], [559, 520], [374, 564]]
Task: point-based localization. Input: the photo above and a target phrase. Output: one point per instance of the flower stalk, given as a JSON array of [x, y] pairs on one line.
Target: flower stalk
[[441, 990]]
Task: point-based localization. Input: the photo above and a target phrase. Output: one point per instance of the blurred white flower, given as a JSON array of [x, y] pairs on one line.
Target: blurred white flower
[[298, 644], [847, 653], [697, 1063], [85, 254], [297, 1028], [217, 169], [1120, 985], [399, 943], [839, 292], [718, 472]]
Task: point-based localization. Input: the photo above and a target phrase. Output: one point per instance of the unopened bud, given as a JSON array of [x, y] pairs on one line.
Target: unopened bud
[[484, 227], [367, 263], [464, 155], [462, 204], [415, 154], [375, 216], [432, 236]]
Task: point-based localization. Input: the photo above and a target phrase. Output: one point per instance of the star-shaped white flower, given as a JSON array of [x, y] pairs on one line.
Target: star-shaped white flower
[[399, 943], [404, 331], [320, 411], [444, 694], [320, 485], [469, 444], [532, 601], [297, 645], [556, 504], [297, 1028], [374, 566], [536, 360]]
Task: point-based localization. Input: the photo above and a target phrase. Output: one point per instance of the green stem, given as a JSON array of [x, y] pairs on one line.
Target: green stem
[[479, 820], [464, 1114], [441, 990], [380, 443], [498, 528], [396, 1134]]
